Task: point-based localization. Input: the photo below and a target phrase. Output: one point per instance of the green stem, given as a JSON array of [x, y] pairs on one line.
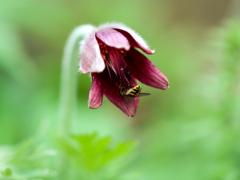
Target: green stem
[[68, 87], [68, 84]]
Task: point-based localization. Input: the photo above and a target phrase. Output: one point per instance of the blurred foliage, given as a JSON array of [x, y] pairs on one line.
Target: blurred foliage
[[190, 131], [202, 142], [29, 160], [97, 158]]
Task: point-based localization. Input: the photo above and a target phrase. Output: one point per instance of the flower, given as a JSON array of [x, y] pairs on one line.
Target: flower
[[109, 54]]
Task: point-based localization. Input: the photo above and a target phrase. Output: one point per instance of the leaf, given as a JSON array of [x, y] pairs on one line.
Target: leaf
[[97, 155], [29, 160]]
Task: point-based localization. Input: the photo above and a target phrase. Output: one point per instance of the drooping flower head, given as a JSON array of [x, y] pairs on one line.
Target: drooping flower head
[[109, 54]]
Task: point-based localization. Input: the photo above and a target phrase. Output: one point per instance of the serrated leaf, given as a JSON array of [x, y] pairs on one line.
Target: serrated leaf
[[94, 154]]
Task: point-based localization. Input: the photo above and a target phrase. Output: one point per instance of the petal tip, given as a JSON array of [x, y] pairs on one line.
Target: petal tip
[[94, 106], [83, 71], [131, 116], [166, 86], [91, 107], [80, 70]]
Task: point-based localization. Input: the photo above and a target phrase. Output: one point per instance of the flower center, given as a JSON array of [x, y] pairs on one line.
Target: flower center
[[115, 63]]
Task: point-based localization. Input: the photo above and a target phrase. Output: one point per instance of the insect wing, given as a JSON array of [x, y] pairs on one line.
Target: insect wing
[[142, 94]]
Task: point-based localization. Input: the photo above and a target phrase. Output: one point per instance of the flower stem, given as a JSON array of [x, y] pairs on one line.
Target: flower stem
[[68, 86]]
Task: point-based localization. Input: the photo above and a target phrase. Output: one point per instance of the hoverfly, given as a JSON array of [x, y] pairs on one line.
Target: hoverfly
[[129, 93]]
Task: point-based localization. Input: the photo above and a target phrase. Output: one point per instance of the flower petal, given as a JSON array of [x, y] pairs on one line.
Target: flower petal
[[145, 71], [112, 92], [91, 59], [95, 93], [112, 38], [136, 41]]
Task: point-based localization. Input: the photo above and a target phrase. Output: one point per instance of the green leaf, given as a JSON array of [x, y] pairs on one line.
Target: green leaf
[[97, 155]]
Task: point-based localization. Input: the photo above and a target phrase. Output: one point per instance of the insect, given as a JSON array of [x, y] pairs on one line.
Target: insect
[[129, 93]]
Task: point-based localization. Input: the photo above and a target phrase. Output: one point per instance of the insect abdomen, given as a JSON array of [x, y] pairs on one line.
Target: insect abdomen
[[134, 91]]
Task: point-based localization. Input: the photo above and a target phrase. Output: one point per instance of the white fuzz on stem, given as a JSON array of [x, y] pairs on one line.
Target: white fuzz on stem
[[68, 86]]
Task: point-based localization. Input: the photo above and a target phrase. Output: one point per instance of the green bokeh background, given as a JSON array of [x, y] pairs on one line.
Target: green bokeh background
[[187, 132]]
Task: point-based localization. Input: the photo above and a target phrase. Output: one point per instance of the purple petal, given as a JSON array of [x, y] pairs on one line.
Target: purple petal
[[145, 71], [95, 93], [91, 58], [112, 92], [113, 38], [136, 41]]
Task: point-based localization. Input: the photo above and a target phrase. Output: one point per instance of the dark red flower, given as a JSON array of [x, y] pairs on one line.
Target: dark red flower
[[109, 54]]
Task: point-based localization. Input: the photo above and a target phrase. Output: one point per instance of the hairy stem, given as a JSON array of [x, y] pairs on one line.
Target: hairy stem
[[68, 86]]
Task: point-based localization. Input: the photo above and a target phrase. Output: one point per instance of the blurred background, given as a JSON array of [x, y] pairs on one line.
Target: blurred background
[[189, 131]]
